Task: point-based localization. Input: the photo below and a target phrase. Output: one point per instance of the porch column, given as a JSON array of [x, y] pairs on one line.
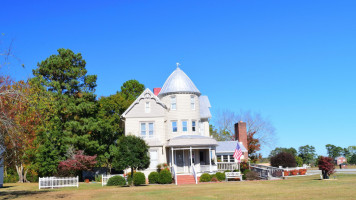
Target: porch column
[[191, 158], [172, 158], [210, 158]]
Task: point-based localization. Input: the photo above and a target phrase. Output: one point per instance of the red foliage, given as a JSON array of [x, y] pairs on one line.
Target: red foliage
[[302, 171], [326, 165], [78, 162], [286, 173], [294, 172]]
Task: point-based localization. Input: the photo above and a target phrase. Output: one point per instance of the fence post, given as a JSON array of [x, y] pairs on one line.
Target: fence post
[[102, 180], [77, 181], [52, 182], [39, 183]]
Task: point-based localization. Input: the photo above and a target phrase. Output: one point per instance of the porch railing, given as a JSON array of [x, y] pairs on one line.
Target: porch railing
[[194, 174], [174, 174], [222, 166]]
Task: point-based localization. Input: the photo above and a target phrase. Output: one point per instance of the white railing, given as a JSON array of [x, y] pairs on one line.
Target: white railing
[[194, 174], [58, 182], [293, 168], [174, 174], [105, 178], [227, 166]]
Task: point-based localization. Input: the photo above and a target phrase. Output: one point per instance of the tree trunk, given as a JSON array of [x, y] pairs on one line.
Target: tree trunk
[[19, 170], [24, 177]]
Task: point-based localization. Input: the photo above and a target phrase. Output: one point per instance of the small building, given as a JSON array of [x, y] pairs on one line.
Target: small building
[[339, 160]]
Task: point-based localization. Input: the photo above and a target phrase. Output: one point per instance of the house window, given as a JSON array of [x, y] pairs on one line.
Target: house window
[[218, 157], [193, 126], [173, 103], [185, 126], [147, 129], [147, 107], [192, 102], [153, 159], [150, 129], [225, 158], [174, 127], [231, 158], [143, 130]]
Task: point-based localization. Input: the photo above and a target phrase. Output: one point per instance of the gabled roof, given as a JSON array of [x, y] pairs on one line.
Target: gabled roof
[[147, 94], [204, 107], [178, 82], [228, 147]]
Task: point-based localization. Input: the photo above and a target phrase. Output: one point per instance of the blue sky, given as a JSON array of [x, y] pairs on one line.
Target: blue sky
[[292, 61]]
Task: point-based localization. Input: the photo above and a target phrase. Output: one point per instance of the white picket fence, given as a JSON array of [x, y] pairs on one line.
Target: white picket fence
[[105, 178], [58, 182]]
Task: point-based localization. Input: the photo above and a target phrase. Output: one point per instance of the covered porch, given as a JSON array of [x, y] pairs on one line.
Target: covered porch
[[192, 154]]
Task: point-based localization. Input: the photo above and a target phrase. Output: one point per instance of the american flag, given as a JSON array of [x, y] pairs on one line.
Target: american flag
[[238, 152]]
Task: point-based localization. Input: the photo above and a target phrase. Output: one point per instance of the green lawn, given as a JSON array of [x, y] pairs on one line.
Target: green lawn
[[309, 187]]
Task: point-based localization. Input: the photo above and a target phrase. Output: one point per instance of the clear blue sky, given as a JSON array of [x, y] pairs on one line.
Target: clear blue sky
[[293, 61]]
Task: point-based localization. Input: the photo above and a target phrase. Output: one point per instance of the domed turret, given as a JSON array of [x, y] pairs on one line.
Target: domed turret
[[178, 82]]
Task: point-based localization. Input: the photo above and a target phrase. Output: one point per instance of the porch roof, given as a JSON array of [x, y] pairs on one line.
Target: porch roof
[[228, 146], [191, 141]]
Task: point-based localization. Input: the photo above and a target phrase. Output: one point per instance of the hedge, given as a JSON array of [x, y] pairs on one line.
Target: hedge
[[165, 177], [139, 178], [116, 181], [153, 177]]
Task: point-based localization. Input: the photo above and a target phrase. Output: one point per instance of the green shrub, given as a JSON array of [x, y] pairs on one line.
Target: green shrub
[[244, 174], [139, 178], [129, 180], [205, 177], [227, 171], [153, 177], [116, 181], [220, 176], [165, 177]]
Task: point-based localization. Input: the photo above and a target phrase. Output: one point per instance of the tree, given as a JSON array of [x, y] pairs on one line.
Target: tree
[[326, 165], [260, 127], [307, 153], [278, 150], [110, 111], [352, 159], [283, 159], [334, 151], [77, 163], [131, 152], [253, 146], [131, 89], [74, 121], [299, 161]]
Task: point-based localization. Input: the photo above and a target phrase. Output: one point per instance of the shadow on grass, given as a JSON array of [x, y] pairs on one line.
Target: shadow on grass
[[18, 194]]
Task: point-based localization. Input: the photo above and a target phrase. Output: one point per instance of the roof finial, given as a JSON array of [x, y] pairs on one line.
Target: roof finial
[[177, 64]]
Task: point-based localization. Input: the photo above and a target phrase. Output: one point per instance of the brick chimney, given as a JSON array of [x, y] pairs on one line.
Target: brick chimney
[[156, 91], [241, 135]]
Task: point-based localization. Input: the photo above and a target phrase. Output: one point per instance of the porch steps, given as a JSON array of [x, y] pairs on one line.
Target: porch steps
[[185, 179]]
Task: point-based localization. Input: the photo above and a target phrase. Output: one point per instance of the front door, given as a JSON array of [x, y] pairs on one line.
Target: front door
[[179, 160]]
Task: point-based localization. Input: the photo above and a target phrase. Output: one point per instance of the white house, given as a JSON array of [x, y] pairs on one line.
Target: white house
[[174, 121]]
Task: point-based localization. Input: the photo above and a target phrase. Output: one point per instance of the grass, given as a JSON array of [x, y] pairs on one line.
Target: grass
[[307, 187]]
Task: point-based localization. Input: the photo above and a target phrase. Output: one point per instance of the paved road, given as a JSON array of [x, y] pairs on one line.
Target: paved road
[[341, 171]]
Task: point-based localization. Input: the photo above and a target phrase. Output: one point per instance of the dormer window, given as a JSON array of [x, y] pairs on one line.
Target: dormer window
[[147, 107], [192, 102], [173, 103]]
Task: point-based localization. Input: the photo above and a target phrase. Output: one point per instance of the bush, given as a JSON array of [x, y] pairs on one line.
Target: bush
[[244, 174], [214, 178], [326, 165], [165, 177], [116, 181], [285, 173], [302, 171], [205, 177], [283, 159], [251, 175], [139, 178], [153, 177], [220, 176], [294, 172], [244, 165]]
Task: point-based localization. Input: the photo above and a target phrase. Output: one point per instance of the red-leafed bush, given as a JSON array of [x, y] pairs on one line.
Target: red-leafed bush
[[302, 171], [294, 172], [326, 165], [79, 162], [283, 159]]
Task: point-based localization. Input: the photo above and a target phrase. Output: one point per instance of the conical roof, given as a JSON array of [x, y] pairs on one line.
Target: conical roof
[[179, 82]]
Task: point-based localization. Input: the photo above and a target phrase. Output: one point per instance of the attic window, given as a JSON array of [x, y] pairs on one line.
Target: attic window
[[147, 107]]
